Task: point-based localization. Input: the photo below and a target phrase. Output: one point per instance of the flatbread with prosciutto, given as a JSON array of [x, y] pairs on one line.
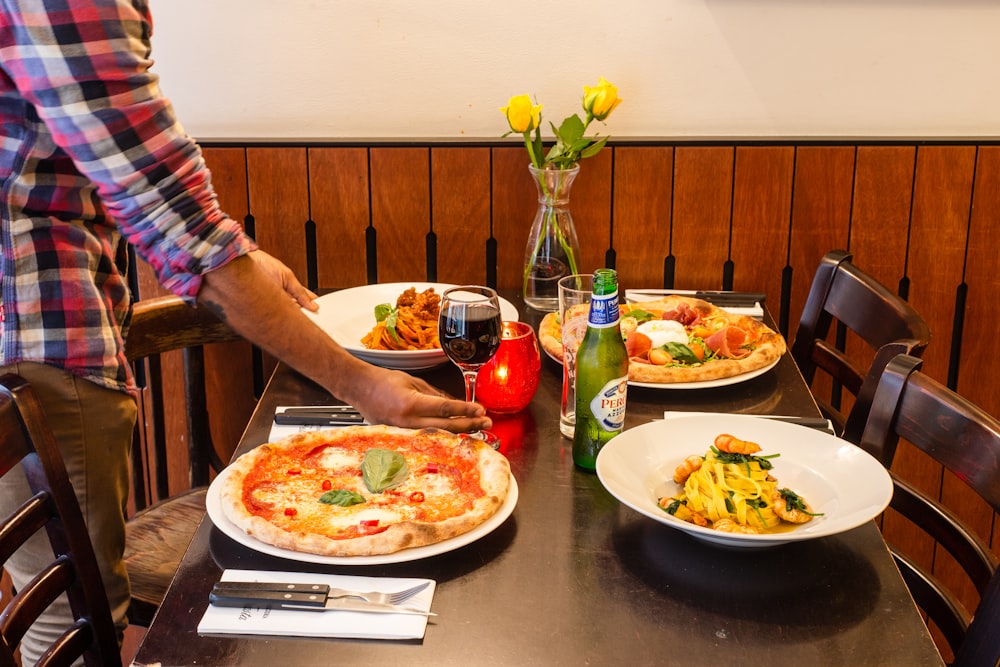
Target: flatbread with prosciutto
[[680, 339]]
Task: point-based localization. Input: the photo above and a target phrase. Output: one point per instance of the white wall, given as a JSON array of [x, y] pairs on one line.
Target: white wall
[[330, 69]]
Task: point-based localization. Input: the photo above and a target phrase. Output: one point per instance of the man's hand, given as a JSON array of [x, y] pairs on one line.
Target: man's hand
[[400, 399]]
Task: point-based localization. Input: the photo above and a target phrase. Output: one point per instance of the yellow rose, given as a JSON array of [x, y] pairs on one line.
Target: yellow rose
[[522, 115], [600, 100]]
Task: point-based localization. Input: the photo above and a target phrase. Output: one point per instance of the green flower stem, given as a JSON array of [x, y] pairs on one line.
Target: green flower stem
[[549, 222], [531, 150]]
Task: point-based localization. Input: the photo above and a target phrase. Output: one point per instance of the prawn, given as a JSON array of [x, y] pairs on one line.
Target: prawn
[[688, 466], [733, 445], [791, 507], [730, 526], [679, 509]]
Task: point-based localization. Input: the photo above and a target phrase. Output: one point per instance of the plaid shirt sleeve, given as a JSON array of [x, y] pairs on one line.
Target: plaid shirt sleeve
[[90, 151], [84, 67]]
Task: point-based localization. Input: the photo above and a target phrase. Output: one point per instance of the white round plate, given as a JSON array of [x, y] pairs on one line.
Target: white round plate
[[349, 314], [707, 384], [213, 505], [841, 481]]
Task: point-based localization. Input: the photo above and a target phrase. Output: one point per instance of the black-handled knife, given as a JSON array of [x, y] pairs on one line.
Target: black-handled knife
[[320, 415], [285, 419], [299, 597], [717, 297]]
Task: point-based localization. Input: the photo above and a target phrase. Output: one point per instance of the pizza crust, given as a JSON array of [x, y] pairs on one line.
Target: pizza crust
[[769, 347], [474, 457]]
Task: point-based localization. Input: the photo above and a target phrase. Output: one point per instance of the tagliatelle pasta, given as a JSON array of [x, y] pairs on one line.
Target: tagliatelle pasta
[[737, 491], [732, 490]]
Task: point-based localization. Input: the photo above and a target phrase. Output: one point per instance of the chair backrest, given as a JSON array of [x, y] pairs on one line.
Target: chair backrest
[[965, 440], [158, 326], [25, 439], [858, 302]]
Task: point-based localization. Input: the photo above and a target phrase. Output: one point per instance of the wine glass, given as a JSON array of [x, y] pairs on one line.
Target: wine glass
[[469, 331]]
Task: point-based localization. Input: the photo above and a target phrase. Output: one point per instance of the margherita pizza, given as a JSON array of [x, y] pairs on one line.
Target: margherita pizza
[[683, 339], [364, 490]]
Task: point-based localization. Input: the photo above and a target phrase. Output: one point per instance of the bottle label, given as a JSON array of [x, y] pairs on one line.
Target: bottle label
[[608, 406], [604, 310]]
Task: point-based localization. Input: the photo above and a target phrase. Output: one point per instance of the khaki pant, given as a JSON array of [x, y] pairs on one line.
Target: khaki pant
[[93, 427]]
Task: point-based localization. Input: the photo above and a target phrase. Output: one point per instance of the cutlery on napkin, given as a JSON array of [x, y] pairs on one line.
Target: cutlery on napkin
[[308, 597], [747, 303], [265, 618]]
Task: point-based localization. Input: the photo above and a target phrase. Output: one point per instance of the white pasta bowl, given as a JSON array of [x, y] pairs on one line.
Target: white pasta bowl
[[348, 315], [840, 481]]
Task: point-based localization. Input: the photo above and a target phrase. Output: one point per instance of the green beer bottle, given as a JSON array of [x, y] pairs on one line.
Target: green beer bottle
[[601, 374]]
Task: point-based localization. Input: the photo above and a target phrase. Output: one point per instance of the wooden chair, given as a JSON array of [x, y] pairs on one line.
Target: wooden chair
[[886, 323], [24, 439], [159, 532], [966, 441]]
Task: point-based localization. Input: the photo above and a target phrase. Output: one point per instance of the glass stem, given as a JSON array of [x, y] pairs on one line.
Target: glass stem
[[470, 385]]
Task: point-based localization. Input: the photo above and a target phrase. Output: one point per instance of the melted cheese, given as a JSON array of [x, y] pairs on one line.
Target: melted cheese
[[335, 458], [661, 332], [287, 491]]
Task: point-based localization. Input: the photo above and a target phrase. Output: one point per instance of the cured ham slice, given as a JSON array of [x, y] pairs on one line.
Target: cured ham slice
[[727, 342], [684, 314], [637, 345]]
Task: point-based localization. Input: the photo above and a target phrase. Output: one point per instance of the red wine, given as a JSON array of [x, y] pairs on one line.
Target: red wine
[[470, 335]]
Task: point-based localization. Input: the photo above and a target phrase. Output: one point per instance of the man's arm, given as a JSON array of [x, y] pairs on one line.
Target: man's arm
[[260, 299]]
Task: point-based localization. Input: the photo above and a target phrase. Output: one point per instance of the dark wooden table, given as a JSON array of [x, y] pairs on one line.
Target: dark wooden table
[[573, 577]]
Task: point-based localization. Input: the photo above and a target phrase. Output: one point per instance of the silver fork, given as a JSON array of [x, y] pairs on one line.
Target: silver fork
[[380, 598]]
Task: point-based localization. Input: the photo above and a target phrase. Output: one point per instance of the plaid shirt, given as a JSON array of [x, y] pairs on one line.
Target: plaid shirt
[[90, 152]]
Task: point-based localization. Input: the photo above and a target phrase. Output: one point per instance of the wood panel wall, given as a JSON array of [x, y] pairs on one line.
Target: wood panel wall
[[921, 217]]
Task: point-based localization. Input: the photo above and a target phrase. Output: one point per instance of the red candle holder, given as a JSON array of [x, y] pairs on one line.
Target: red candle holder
[[508, 382]]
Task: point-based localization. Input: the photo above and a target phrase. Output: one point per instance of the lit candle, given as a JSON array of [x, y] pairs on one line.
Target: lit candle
[[508, 382]]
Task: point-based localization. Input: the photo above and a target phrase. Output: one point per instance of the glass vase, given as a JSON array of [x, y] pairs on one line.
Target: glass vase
[[553, 250]]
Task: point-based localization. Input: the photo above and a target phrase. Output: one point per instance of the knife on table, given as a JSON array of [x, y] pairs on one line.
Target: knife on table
[[719, 298], [339, 415], [308, 597]]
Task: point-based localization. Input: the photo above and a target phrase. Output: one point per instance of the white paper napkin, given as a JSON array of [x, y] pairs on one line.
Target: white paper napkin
[[279, 431], [667, 414], [263, 620]]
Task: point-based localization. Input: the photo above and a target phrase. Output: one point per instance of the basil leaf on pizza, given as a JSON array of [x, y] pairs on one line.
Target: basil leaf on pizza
[[342, 497], [383, 469], [432, 486], [682, 353], [641, 315]]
